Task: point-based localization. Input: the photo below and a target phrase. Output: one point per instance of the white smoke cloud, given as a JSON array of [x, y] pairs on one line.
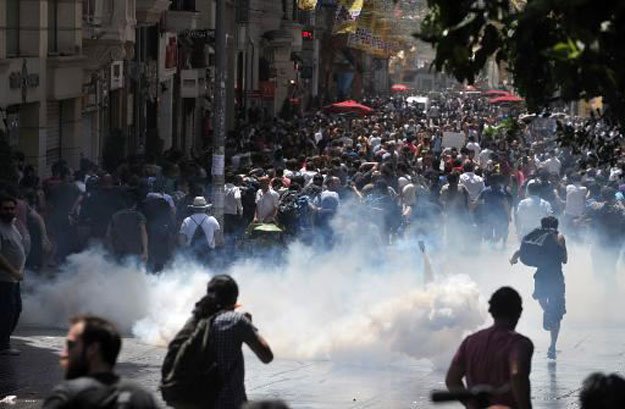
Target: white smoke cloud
[[361, 301]]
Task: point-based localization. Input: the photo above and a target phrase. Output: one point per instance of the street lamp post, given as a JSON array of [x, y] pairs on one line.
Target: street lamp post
[[219, 110]]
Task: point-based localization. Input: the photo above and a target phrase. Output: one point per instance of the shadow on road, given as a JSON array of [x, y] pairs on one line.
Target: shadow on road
[[31, 374]]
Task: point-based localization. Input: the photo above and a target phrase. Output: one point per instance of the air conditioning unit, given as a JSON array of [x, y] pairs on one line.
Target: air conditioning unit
[[117, 75], [192, 83]]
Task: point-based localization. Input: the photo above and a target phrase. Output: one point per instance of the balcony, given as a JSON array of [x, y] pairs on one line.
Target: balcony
[[64, 77], [149, 11], [108, 31], [109, 21], [178, 21], [193, 83]]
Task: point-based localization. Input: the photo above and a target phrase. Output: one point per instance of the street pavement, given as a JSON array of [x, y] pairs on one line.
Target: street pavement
[[322, 384]]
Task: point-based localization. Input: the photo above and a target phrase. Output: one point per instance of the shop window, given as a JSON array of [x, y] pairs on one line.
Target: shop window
[[53, 26], [13, 28]]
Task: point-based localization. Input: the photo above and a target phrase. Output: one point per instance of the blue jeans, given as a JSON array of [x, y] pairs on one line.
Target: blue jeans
[[10, 310]]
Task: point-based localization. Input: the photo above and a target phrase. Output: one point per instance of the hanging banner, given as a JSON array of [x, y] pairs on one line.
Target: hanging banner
[[347, 13], [307, 5], [373, 30]]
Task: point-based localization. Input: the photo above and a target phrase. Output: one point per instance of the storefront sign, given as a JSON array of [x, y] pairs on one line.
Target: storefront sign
[[23, 80]]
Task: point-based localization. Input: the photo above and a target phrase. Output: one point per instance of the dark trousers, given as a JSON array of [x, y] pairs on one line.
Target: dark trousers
[[10, 310]]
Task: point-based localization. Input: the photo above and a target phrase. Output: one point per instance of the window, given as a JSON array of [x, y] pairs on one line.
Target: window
[[53, 26], [13, 28]]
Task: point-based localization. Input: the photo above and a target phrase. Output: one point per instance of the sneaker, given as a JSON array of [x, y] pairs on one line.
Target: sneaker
[[10, 351], [551, 353]]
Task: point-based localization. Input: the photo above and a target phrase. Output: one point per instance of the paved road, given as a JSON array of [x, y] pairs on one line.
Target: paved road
[[322, 384]]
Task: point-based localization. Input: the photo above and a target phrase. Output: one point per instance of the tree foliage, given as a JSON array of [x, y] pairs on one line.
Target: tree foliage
[[556, 50], [563, 50]]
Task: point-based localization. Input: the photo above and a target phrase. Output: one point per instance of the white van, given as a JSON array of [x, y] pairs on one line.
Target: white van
[[422, 103]]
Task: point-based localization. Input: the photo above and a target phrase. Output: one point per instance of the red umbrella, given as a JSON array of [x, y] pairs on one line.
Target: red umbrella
[[504, 99], [348, 106], [399, 88], [496, 92]]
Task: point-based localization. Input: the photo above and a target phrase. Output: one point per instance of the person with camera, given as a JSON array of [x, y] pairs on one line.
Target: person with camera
[[204, 365]]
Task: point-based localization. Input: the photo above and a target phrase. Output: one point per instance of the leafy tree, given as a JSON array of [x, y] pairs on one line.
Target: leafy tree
[[556, 50]]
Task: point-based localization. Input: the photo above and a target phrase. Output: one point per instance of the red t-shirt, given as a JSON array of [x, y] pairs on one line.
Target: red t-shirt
[[486, 358]]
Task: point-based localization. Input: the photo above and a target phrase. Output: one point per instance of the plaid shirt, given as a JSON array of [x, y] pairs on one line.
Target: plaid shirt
[[230, 330]]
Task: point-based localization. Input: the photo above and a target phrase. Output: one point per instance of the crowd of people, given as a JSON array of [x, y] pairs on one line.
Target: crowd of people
[[398, 165], [403, 170]]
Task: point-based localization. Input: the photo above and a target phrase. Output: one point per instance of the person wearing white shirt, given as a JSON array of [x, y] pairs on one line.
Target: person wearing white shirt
[[575, 201], [233, 206], [484, 156], [267, 201], [552, 164], [375, 140], [531, 211], [472, 182], [474, 146], [199, 219]]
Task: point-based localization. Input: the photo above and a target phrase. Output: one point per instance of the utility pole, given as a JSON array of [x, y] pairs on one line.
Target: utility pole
[[219, 109]]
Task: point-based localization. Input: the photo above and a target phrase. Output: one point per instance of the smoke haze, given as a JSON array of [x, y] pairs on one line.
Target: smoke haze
[[358, 302]]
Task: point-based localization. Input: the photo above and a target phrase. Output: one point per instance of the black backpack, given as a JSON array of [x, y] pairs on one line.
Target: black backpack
[[198, 242], [190, 373], [288, 211], [538, 248]]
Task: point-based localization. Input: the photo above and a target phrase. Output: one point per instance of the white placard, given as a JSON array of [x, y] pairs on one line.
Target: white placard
[[454, 139], [218, 165]]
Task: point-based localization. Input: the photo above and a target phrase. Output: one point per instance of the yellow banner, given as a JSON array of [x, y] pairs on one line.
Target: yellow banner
[[347, 13], [307, 5], [374, 28]]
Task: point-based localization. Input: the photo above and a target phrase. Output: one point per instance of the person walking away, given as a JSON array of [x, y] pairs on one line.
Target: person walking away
[[221, 376], [233, 208], [548, 256], [12, 260], [62, 200], [575, 205], [531, 210], [160, 213], [497, 357], [198, 232], [494, 211], [127, 235], [325, 209], [455, 200], [608, 229], [473, 183], [91, 350]]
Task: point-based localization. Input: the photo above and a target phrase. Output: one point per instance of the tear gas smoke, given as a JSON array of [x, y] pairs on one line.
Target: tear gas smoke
[[359, 301]]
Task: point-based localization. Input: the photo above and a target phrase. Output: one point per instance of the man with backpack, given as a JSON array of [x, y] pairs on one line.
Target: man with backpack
[[204, 365], [90, 354], [198, 232], [545, 249]]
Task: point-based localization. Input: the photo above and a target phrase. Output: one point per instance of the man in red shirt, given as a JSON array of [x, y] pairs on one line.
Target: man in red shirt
[[496, 357]]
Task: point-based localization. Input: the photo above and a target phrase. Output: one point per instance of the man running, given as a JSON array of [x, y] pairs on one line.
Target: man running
[[549, 281]]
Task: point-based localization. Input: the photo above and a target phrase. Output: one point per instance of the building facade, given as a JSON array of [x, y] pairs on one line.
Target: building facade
[[103, 79]]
